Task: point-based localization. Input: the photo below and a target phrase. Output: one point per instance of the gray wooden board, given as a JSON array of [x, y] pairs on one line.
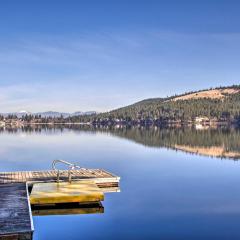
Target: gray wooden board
[[15, 215]]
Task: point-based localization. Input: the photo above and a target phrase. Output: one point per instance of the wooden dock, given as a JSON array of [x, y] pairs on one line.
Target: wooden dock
[[15, 187], [15, 212], [101, 177]]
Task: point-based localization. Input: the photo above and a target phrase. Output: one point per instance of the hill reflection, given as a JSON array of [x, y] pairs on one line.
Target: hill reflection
[[215, 142], [220, 142]]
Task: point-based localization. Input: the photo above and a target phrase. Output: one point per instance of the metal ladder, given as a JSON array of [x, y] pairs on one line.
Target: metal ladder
[[71, 167]]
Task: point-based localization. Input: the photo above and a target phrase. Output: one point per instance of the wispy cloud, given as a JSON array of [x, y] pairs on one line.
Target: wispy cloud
[[66, 50], [101, 71]]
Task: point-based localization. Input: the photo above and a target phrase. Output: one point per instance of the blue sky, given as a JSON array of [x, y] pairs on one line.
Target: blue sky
[[100, 55]]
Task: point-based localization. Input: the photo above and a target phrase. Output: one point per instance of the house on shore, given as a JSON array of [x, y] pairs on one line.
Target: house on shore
[[202, 120]]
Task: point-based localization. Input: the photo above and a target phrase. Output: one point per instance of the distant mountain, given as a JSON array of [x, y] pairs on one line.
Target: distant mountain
[[24, 112], [83, 113], [18, 114], [52, 114], [49, 114]]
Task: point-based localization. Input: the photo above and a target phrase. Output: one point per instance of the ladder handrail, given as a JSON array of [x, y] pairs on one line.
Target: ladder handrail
[[71, 166]]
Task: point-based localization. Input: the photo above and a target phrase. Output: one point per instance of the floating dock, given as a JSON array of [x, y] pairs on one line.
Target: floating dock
[[45, 192], [65, 192]]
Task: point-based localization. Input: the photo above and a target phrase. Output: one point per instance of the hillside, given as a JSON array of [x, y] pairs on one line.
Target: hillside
[[219, 104], [211, 94]]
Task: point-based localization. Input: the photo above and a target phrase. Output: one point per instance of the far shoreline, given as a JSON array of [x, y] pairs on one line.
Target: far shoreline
[[198, 126]]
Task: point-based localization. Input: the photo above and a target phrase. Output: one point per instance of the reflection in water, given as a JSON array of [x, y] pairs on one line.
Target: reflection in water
[[216, 142], [67, 209], [220, 142], [165, 194]]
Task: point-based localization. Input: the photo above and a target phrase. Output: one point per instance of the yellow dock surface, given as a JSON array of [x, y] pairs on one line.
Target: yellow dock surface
[[64, 192]]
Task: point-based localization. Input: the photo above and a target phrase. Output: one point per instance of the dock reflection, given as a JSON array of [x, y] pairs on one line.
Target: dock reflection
[[67, 209], [72, 208]]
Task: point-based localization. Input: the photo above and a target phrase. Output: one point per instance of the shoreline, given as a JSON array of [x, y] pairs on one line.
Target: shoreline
[[198, 126]]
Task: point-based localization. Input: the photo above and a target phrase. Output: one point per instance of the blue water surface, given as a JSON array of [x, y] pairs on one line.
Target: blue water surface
[[165, 194]]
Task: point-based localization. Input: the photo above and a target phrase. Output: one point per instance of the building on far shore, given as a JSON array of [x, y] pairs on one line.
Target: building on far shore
[[202, 120]]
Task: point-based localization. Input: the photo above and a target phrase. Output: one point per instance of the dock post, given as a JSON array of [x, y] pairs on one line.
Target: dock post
[[58, 176], [69, 176]]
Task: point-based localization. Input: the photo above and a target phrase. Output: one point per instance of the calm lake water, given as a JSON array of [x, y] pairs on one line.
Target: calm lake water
[[175, 183]]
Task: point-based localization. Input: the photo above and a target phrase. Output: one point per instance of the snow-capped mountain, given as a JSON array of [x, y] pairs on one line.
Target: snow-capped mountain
[[18, 114], [24, 112]]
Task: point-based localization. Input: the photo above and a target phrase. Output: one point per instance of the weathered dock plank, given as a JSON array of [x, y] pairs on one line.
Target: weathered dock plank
[[15, 212], [100, 177]]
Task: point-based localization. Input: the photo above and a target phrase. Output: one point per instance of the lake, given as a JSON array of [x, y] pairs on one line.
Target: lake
[[176, 183]]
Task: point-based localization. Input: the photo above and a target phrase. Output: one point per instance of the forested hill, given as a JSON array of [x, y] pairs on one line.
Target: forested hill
[[221, 103], [210, 106]]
